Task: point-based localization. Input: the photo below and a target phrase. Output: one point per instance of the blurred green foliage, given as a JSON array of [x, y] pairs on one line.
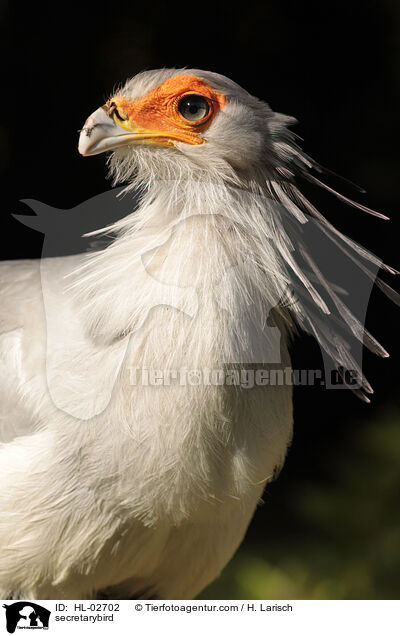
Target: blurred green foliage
[[343, 541]]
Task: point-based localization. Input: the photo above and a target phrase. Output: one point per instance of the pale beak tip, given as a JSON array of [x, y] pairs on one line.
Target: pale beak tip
[[83, 145], [97, 130]]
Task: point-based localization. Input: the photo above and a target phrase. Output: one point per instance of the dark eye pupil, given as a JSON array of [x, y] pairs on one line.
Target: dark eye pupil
[[193, 107]]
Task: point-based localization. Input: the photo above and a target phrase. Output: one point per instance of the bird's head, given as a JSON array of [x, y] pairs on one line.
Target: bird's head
[[175, 123]]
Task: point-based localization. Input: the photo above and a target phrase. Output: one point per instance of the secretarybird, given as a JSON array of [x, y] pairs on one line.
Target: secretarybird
[[128, 468]]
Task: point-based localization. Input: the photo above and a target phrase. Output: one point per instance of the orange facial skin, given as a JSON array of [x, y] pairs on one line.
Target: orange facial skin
[[157, 112]]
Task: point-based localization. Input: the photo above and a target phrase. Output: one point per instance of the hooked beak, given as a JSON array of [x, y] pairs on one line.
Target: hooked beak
[[101, 133]]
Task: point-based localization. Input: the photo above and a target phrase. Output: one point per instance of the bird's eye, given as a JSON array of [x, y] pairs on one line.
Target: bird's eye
[[193, 107]]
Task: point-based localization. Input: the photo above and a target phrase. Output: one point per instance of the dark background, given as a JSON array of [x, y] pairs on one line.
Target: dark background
[[330, 525]]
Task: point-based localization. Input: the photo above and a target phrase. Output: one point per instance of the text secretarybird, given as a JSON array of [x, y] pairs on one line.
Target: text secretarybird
[[119, 488]]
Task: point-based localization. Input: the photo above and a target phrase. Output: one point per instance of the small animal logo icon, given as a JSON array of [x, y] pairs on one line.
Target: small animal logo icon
[[26, 615]]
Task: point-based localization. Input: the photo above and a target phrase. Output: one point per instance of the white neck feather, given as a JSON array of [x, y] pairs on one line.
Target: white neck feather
[[203, 248]]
